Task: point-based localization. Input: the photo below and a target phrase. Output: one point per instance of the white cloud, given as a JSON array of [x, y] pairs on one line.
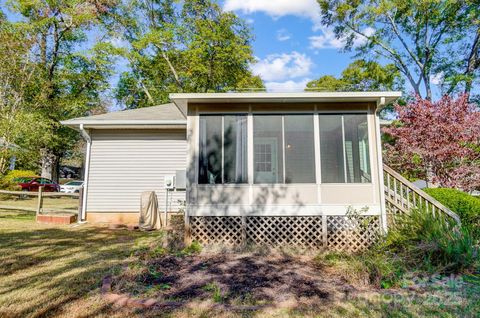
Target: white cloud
[[277, 8], [278, 67], [283, 35], [437, 79], [118, 42], [327, 39], [287, 86]]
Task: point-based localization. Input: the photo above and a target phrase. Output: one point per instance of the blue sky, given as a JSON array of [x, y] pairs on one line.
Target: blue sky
[[291, 45]]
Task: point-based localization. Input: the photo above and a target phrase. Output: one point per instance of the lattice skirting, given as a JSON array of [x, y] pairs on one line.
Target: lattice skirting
[[352, 235], [333, 232]]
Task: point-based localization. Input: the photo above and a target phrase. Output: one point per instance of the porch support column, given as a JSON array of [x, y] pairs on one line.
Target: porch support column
[[381, 186]]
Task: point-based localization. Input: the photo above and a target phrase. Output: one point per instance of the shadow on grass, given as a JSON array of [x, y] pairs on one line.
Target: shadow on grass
[[43, 269]]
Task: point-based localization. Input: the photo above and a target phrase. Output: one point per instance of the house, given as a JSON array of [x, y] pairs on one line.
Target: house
[[275, 168]]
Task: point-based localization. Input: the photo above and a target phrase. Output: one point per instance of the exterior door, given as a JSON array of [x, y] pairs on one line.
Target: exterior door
[[265, 161]]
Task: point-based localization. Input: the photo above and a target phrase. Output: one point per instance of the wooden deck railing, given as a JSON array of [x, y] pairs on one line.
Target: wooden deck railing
[[401, 196]]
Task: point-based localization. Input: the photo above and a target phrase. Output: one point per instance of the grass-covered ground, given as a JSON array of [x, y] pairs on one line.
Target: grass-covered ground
[[30, 203], [56, 271]]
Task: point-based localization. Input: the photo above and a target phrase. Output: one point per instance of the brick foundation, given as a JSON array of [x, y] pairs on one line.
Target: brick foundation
[[56, 219]]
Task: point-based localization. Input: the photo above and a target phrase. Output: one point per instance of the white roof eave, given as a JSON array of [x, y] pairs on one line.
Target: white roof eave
[[116, 123], [287, 97]]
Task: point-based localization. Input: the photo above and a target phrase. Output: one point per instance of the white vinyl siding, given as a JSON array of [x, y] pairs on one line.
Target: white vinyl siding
[[124, 163]]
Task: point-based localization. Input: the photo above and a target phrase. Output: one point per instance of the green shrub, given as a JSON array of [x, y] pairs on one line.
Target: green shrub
[[432, 243], [374, 266], [465, 205], [419, 242], [9, 182]]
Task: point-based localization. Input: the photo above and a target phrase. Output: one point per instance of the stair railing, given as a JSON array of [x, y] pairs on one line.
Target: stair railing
[[401, 196]]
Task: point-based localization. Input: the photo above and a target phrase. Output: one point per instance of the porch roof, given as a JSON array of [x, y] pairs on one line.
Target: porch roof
[[381, 98]]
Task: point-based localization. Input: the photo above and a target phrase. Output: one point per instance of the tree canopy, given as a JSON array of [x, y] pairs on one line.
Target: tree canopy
[[437, 141], [48, 76], [189, 47], [360, 75], [422, 38]]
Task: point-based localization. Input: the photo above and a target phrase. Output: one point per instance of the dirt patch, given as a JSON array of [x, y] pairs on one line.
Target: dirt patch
[[234, 279]]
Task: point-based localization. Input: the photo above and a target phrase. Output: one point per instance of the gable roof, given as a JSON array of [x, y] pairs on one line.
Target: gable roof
[[182, 99], [164, 115]]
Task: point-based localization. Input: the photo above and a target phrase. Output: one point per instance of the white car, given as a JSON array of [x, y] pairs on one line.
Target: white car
[[71, 187]]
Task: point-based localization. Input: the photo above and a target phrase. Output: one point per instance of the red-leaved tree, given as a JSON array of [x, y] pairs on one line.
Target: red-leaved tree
[[438, 141]]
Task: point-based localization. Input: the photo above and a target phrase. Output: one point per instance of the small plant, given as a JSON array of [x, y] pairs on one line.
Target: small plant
[[217, 293], [193, 248]]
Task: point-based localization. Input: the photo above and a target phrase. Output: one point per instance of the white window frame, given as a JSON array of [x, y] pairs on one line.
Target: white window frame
[[283, 114], [350, 112]]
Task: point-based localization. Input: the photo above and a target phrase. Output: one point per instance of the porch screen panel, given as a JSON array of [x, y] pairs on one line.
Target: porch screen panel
[[299, 149], [331, 149], [268, 145], [235, 149], [210, 152], [356, 149]]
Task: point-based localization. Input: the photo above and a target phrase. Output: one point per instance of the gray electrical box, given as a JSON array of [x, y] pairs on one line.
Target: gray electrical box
[[180, 179]]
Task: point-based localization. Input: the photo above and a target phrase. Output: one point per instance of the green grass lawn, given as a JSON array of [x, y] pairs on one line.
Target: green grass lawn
[[56, 271], [49, 203]]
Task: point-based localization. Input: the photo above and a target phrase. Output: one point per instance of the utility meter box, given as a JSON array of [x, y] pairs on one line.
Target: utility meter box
[[169, 182], [181, 179]]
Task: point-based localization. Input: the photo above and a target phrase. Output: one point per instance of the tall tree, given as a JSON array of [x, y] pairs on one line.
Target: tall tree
[[20, 93], [421, 37], [73, 76], [189, 47], [438, 141], [360, 75]]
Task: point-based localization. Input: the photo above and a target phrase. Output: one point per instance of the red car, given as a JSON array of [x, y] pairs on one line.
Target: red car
[[33, 183]]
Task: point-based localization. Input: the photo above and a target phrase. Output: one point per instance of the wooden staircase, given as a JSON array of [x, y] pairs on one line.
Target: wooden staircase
[[401, 196]]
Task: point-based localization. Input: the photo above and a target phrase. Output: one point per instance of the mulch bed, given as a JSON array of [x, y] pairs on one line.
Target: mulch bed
[[237, 281]]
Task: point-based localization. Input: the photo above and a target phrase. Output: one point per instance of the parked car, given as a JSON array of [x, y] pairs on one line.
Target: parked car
[[33, 183], [71, 187]]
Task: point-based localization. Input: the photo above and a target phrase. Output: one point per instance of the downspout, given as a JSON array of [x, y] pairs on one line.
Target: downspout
[[383, 208], [88, 139]]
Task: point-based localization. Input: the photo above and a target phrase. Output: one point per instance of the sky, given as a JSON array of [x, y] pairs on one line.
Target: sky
[[291, 45]]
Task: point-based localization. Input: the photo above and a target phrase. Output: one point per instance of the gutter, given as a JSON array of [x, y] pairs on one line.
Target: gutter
[[88, 139], [383, 209], [125, 122]]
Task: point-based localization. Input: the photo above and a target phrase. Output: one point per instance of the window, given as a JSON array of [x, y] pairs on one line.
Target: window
[[283, 149], [223, 149], [267, 149], [299, 149], [44, 181], [344, 149]]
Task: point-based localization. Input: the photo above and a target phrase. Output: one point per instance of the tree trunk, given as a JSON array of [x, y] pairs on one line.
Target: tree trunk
[[50, 165], [472, 62]]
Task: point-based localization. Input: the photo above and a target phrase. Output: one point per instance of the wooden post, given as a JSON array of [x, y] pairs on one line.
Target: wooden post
[[40, 201], [324, 231], [188, 234], [244, 230], [80, 205]]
